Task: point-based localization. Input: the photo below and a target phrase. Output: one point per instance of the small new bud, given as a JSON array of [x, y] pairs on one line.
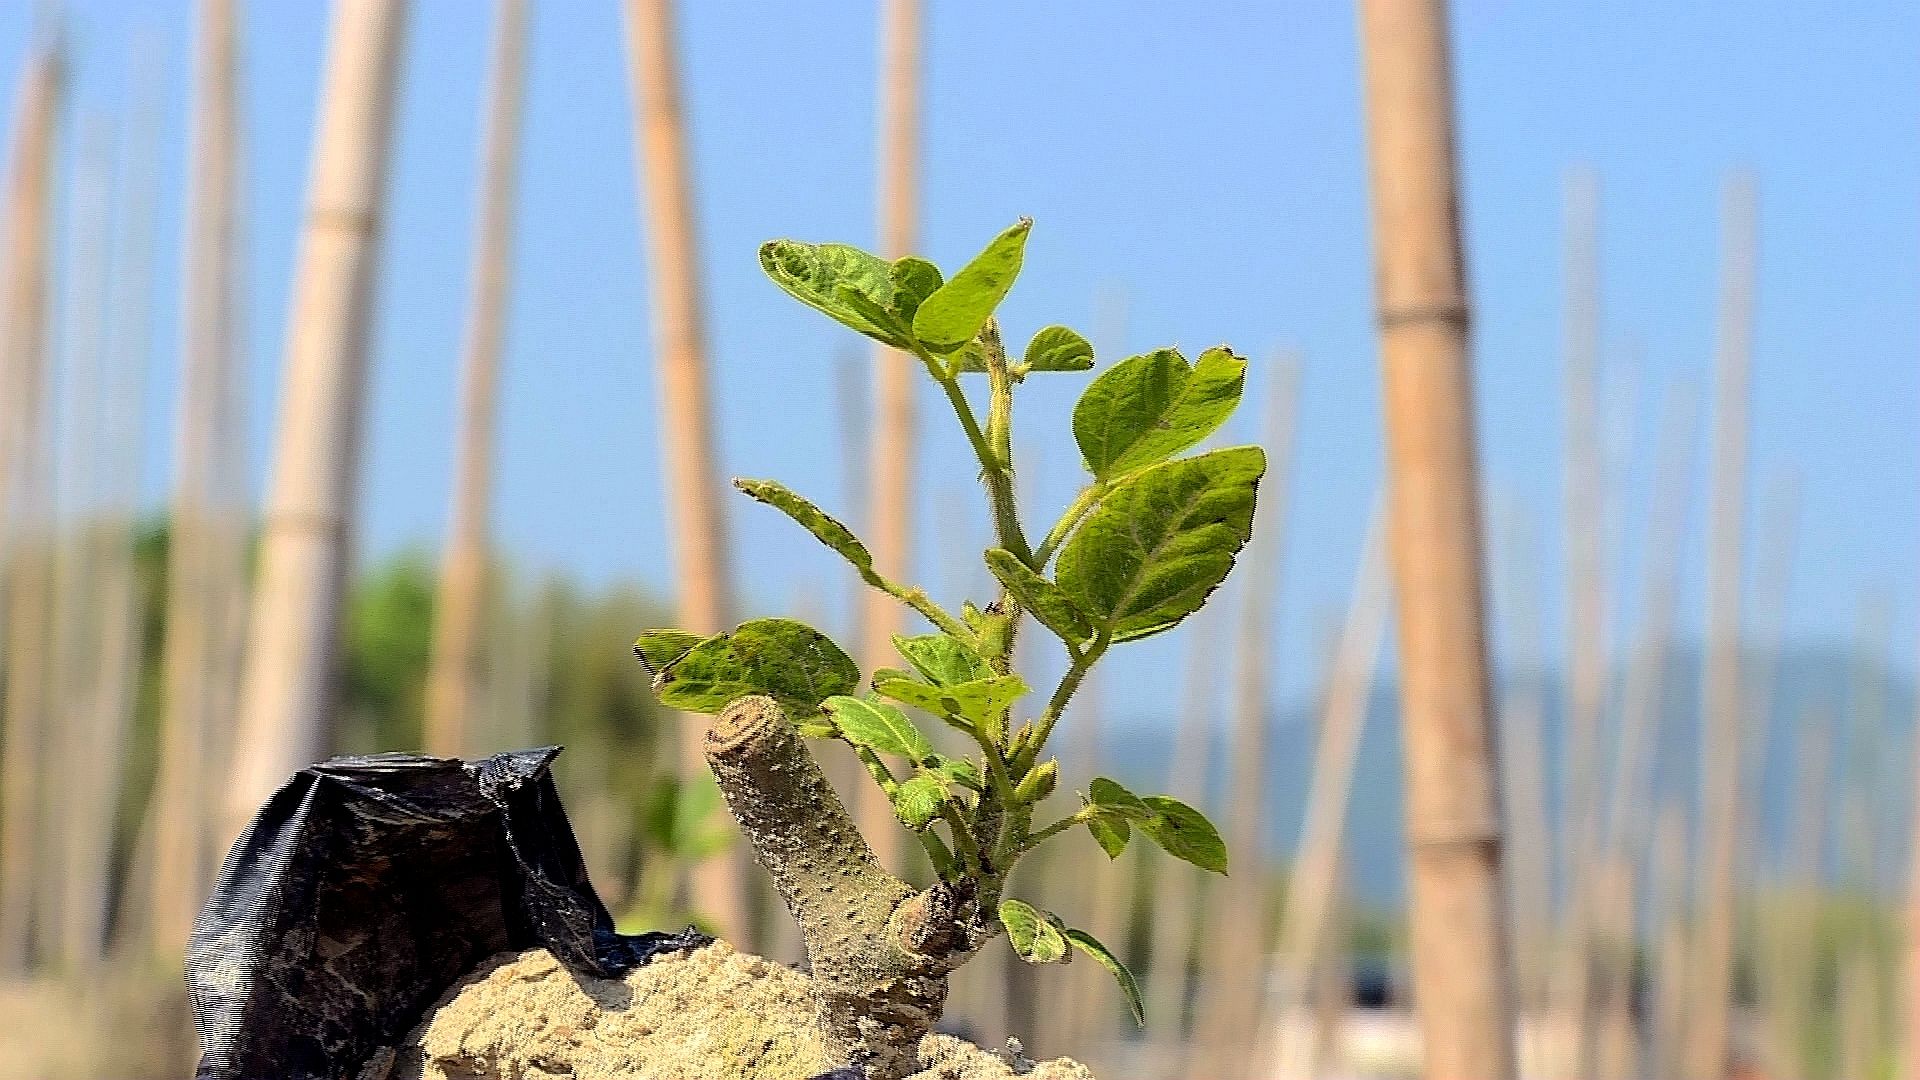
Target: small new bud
[[1039, 783]]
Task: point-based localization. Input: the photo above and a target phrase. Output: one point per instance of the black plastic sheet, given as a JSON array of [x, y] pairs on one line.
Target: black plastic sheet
[[369, 885]]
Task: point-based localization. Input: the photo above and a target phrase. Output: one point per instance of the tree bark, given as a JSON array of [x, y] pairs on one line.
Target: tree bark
[[454, 682], [890, 504], [293, 651], [1460, 942], [703, 557], [879, 952], [23, 500]]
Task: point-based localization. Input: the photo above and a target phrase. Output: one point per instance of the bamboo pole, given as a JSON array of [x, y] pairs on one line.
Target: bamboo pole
[[701, 541], [23, 464], [1314, 886], [895, 426], [1461, 948], [206, 566], [1238, 957], [1586, 638], [1672, 942], [1710, 1034], [1789, 953], [307, 534], [1523, 759], [456, 679]]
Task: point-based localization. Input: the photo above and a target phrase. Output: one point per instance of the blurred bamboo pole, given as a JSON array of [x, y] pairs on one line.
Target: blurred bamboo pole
[[1460, 937], [1586, 632], [1239, 953], [890, 504], [78, 517], [121, 631], [1178, 890], [1790, 952], [1314, 885], [207, 561], [702, 543], [1711, 1032], [23, 466], [1672, 941], [456, 678], [287, 703], [1524, 757]]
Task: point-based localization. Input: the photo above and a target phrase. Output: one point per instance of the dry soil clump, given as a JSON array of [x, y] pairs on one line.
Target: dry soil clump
[[708, 1014]]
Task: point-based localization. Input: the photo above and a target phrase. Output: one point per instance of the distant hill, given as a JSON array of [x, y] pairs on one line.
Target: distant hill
[[1832, 684]]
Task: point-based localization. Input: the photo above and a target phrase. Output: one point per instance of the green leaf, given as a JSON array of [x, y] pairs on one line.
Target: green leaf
[[1129, 986], [1161, 541], [687, 819], [1055, 610], [1185, 833], [824, 276], [1037, 936], [1111, 833], [1148, 408], [956, 771], [1058, 348], [942, 660], [658, 648], [879, 726], [979, 702], [957, 310], [824, 527], [917, 801], [1114, 799], [788, 661], [914, 279], [886, 674]]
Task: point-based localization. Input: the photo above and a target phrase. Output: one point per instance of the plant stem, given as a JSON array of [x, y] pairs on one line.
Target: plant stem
[[1082, 504], [1055, 829], [996, 469], [916, 598], [1069, 683]]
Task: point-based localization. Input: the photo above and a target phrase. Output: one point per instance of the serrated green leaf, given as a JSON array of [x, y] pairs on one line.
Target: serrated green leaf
[[825, 527], [917, 801], [1161, 541], [1054, 608], [1129, 986], [1038, 937], [1111, 832], [959, 771], [914, 279], [1148, 408], [1185, 833], [1110, 797], [822, 276], [979, 702], [1058, 348], [942, 660], [885, 674], [658, 648], [957, 310], [878, 726], [788, 661]]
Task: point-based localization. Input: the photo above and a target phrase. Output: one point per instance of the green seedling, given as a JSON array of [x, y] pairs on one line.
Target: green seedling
[[1145, 543]]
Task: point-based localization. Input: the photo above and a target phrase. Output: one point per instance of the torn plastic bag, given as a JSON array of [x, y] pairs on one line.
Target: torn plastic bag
[[366, 887]]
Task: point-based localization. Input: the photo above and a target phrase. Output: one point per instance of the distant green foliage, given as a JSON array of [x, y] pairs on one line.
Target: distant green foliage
[[1150, 537]]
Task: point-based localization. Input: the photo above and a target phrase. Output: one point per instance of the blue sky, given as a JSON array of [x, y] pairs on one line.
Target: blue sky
[[1206, 168]]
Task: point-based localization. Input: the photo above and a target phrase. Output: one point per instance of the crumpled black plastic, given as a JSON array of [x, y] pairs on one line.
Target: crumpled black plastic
[[366, 887]]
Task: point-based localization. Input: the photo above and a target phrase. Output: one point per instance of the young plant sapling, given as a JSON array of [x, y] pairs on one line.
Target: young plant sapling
[[1144, 544]]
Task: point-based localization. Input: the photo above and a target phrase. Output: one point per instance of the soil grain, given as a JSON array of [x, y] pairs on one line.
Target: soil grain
[[708, 1014]]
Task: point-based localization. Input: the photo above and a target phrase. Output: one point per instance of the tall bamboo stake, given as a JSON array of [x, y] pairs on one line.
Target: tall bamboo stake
[[1460, 941], [1524, 763], [1710, 1034], [23, 465], [1238, 958], [206, 566], [895, 427], [454, 683], [1672, 944], [307, 534], [1789, 953], [701, 542], [1314, 885], [1586, 609]]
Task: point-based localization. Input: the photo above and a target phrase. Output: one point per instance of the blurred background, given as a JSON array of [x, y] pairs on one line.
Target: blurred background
[[370, 374]]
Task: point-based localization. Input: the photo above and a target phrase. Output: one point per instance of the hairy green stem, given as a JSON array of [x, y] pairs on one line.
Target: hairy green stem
[[1082, 505]]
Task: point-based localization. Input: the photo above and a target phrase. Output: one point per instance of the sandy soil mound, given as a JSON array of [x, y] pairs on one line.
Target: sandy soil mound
[[709, 1014]]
